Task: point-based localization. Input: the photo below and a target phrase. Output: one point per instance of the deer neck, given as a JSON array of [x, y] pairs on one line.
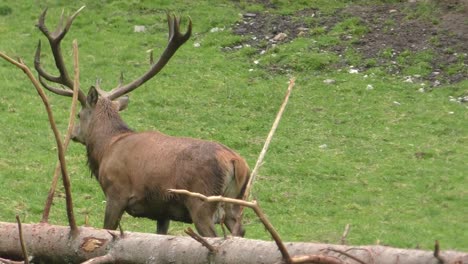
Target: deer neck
[[106, 127]]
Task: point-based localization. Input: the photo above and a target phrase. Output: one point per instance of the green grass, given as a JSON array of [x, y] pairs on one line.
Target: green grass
[[390, 161]]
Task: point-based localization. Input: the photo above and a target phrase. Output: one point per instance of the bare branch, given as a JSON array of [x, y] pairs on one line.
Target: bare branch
[[345, 234], [122, 233], [316, 259], [71, 122], [254, 206], [23, 247], [200, 239], [254, 173], [108, 258], [347, 254], [7, 261], [66, 179], [437, 252]]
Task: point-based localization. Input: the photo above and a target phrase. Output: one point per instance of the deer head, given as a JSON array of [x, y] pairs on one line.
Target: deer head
[[118, 94]]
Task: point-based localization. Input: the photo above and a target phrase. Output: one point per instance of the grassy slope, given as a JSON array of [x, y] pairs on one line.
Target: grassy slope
[[368, 174]]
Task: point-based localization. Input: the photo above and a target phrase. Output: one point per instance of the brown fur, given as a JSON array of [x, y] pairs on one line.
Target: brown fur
[[136, 169]]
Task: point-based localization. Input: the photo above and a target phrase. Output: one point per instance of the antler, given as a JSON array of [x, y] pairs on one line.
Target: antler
[[176, 39], [54, 40]]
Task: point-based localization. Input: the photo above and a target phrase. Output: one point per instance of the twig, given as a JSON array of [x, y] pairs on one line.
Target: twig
[[437, 252], [254, 206], [71, 122], [122, 234], [254, 173], [108, 258], [114, 236], [347, 255], [7, 261], [345, 234], [23, 247], [316, 259], [200, 239], [66, 180]]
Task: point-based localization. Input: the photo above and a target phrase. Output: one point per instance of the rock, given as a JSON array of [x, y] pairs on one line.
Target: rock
[[329, 81], [216, 29], [280, 37], [323, 146], [139, 28], [250, 15], [369, 87], [408, 79]]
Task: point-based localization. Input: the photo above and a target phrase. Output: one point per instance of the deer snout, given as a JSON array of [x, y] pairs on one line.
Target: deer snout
[[76, 136]]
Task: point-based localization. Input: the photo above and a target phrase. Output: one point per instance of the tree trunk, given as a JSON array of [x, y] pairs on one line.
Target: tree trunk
[[53, 244]]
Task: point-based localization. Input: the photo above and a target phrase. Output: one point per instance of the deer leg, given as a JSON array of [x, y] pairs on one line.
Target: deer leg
[[162, 226], [114, 211], [202, 216]]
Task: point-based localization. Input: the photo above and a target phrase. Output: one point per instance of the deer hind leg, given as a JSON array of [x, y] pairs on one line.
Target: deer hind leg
[[162, 226], [202, 216]]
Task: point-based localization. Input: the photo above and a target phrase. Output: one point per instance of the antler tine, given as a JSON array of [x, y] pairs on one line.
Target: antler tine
[[97, 86], [38, 67], [55, 90], [121, 79], [54, 40], [176, 39]]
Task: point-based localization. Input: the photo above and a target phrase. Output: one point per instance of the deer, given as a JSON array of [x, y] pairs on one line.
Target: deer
[[136, 169]]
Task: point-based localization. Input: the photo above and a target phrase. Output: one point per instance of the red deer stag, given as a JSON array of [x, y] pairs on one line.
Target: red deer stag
[[135, 169]]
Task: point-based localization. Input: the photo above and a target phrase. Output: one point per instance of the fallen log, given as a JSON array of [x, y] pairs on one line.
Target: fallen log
[[54, 244]]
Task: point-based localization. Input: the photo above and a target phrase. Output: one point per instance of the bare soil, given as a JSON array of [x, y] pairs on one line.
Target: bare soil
[[390, 27]]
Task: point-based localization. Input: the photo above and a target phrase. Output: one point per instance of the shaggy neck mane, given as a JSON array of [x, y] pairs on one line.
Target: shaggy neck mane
[[105, 127]]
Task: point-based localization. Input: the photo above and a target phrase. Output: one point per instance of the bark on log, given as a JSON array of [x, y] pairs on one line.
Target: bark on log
[[53, 244]]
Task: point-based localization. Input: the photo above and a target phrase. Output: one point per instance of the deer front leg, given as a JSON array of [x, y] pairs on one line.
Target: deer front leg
[[162, 226], [114, 211]]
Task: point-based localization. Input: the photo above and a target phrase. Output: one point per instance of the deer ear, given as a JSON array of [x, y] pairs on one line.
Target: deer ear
[[121, 103], [92, 97]]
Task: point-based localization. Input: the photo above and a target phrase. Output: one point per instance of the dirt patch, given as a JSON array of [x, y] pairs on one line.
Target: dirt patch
[[391, 30], [445, 36], [264, 27]]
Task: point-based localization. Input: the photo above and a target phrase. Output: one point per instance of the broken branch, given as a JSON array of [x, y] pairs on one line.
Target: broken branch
[[66, 141], [66, 180], [23, 247], [254, 206], [200, 239], [345, 234], [254, 173]]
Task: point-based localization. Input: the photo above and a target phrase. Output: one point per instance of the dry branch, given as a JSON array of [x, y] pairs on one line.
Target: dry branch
[[345, 234], [189, 231], [254, 206], [66, 141], [254, 173], [21, 239], [66, 180]]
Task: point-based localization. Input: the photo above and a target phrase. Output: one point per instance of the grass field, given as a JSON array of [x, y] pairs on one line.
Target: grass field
[[368, 149]]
